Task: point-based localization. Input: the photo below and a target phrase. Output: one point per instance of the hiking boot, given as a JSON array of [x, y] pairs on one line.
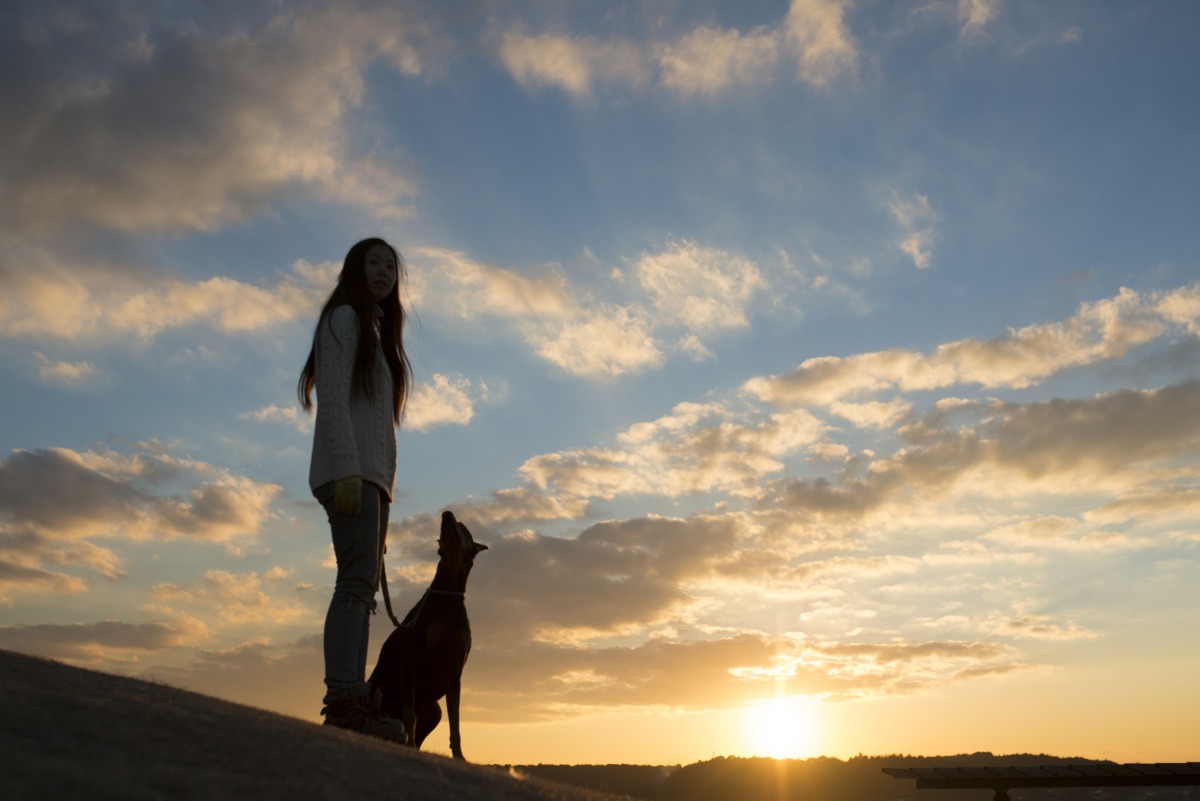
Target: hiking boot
[[358, 709]]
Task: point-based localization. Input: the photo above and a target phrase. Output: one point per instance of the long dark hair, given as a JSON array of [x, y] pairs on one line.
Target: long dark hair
[[352, 291]]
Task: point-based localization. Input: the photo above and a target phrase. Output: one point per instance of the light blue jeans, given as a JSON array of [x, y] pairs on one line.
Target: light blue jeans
[[358, 543]]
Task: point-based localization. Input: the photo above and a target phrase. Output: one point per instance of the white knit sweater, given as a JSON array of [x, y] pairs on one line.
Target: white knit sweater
[[355, 435]]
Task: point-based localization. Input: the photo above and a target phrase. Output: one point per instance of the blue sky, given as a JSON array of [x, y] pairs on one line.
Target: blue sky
[[841, 354]]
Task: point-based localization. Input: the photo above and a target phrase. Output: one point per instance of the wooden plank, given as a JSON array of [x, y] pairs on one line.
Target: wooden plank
[[1153, 770], [1179, 767], [1060, 771], [1113, 769], [963, 773], [1090, 770], [1001, 779]]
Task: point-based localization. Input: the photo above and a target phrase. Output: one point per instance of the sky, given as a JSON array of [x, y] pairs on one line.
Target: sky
[[824, 377]]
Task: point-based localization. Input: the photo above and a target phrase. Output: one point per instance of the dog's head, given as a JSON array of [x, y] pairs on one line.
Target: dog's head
[[456, 546]]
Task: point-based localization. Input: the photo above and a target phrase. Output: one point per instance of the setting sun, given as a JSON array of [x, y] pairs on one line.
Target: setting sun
[[783, 728]]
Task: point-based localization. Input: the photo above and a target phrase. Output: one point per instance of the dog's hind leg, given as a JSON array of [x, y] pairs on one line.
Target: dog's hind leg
[[428, 718], [408, 706]]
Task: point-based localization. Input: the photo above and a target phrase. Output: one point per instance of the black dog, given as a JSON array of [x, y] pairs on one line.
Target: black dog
[[422, 660]]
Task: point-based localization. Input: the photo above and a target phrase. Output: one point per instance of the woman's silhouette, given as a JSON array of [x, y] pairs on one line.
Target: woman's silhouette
[[362, 378]]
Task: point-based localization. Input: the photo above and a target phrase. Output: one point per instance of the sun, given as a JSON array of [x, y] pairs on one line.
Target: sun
[[783, 728]]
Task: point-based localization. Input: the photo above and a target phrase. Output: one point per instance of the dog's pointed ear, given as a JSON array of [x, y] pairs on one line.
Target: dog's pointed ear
[[479, 546]]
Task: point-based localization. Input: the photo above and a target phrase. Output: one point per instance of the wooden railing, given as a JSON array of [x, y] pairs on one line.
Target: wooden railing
[[1091, 774]]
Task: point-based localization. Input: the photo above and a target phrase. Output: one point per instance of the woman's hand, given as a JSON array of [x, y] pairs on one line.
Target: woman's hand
[[347, 495]]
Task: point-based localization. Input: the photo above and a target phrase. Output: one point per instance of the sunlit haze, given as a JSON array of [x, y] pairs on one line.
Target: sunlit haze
[[824, 377]]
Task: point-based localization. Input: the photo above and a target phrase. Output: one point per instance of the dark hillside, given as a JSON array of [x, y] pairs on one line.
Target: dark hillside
[[68, 734], [638, 781]]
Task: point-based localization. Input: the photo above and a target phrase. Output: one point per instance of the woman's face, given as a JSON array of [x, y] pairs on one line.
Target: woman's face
[[380, 265]]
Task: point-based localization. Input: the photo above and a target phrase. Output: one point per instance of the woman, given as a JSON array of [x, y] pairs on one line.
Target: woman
[[362, 377]]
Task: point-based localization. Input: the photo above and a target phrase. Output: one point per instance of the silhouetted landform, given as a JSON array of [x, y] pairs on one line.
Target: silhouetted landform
[[68, 734], [825, 779], [636, 781], [71, 734]]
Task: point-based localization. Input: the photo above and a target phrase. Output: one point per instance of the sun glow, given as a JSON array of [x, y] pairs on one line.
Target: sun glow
[[782, 728]]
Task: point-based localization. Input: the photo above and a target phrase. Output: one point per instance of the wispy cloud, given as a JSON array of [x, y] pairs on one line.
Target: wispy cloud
[[106, 643], [288, 415], [96, 305], [233, 597], [821, 42], [1101, 331], [66, 374], [448, 400], [689, 293], [704, 61], [916, 218], [707, 60], [573, 64], [976, 14]]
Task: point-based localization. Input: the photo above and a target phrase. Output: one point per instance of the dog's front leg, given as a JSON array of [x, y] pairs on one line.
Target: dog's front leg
[[453, 695]]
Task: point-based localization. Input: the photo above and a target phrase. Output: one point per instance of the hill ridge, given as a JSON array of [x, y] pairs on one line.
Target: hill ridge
[[72, 733]]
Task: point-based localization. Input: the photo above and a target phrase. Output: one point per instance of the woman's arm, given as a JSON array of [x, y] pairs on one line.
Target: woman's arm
[[337, 344]]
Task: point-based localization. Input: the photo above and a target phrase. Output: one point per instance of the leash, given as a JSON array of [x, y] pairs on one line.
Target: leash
[[387, 596]]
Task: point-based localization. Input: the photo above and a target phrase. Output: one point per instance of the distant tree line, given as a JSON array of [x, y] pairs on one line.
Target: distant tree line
[[860, 778]]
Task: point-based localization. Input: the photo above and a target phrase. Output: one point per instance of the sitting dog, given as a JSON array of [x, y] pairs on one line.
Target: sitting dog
[[422, 660]]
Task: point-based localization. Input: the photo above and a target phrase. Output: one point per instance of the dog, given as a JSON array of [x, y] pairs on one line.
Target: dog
[[423, 658]]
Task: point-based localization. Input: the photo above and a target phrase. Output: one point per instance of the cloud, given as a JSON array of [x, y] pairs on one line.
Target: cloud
[[874, 414], [697, 448], [18, 576], [1101, 436], [106, 643], [552, 317], [458, 286], [1099, 332], [1040, 627], [1180, 307], [699, 289], [237, 117], [235, 598], [447, 401], [67, 374], [976, 14], [1109, 443], [607, 341], [708, 60], [633, 572], [916, 218], [114, 497], [519, 504], [562, 680], [1052, 533], [703, 61], [691, 292], [288, 415], [1153, 503], [51, 299], [573, 64], [822, 45], [723, 672]]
